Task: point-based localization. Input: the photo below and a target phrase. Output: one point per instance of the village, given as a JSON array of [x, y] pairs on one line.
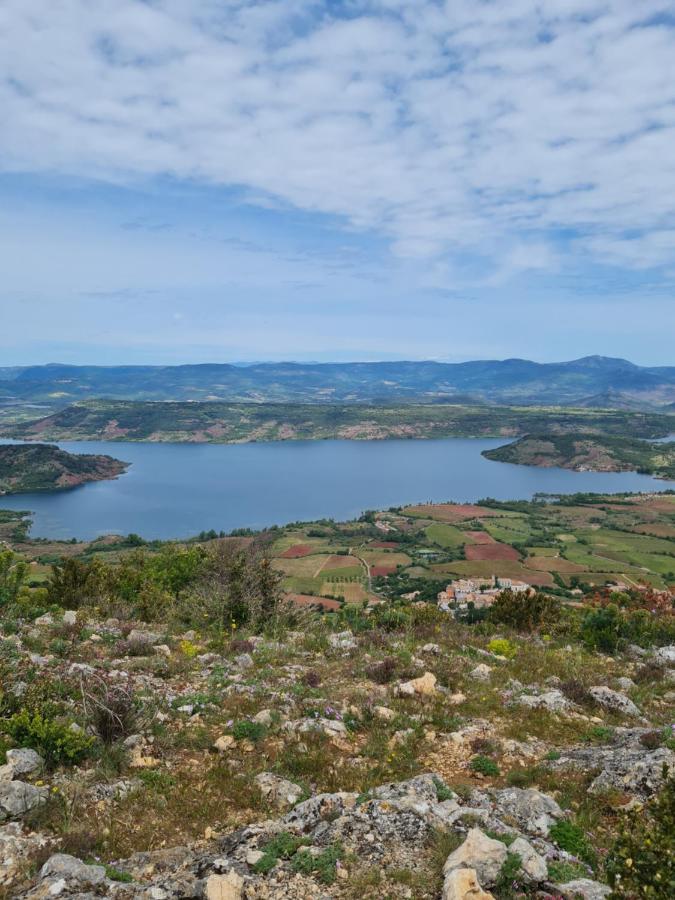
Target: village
[[479, 592]]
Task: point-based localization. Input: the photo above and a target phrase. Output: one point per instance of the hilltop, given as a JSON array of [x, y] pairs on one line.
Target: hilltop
[[218, 422], [41, 467], [591, 381], [173, 727]]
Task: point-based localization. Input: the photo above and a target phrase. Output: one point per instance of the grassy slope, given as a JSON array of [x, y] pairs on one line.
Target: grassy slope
[[612, 453], [39, 467], [228, 422]]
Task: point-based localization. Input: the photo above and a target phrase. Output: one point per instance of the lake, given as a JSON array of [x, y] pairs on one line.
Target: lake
[[178, 490]]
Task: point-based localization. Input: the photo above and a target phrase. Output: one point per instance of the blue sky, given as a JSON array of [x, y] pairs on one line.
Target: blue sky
[[370, 179]]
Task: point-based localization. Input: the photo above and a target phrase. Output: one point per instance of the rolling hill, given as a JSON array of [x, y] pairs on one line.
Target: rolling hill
[[591, 381]]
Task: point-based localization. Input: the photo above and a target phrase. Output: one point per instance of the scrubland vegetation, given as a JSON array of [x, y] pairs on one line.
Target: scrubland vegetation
[[174, 694]]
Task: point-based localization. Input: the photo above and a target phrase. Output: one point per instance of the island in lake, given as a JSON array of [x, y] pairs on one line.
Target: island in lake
[[26, 468]]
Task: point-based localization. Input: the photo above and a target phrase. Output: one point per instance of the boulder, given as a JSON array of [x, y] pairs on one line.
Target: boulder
[[666, 655], [18, 798], [533, 865], [481, 672], [342, 640], [424, 686], [584, 888], [16, 850], [224, 743], [554, 701], [531, 810], [279, 792], [481, 853], [138, 636], [224, 887], [24, 761], [72, 870], [614, 701], [462, 884]]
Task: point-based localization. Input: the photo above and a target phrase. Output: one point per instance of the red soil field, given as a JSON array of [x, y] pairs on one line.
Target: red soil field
[[481, 537], [384, 545], [296, 551], [310, 600], [376, 571], [490, 551]]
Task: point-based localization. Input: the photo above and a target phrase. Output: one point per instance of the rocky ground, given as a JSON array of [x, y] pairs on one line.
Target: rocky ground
[[406, 761]]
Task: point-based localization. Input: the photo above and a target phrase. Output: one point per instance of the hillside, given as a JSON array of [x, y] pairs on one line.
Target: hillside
[[616, 382], [224, 423], [40, 467], [580, 451], [171, 728]]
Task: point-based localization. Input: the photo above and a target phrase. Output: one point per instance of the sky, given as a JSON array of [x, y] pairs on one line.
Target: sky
[[232, 180]]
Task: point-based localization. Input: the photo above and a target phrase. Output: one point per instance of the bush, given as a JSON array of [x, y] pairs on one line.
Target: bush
[[652, 739], [570, 837], [311, 679], [502, 647], [383, 672], [601, 629], [575, 691], [484, 765], [247, 730], [641, 862], [525, 612], [55, 741], [111, 709]]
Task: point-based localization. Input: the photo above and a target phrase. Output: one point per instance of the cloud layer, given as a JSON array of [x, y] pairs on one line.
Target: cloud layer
[[504, 130]]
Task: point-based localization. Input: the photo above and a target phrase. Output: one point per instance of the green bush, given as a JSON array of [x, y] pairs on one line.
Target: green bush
[[570, 837], [525, 612], [246, 730], [484, 765], [601, 629], [55, 741], [323, 866], [502, 647], [641, 863]]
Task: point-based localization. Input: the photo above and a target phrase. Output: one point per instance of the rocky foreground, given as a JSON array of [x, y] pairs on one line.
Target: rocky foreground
[[459, 830]]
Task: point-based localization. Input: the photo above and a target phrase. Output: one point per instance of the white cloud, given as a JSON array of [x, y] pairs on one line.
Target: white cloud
[[470, 125]]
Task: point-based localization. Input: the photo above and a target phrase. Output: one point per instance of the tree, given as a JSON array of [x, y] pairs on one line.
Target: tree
[[525, 611], [12, 576]]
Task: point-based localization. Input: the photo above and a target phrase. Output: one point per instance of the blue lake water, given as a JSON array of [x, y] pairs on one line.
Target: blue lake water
[[178, 490]]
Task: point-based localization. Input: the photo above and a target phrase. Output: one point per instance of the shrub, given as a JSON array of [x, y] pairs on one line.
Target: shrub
[[642, 862], [241, 646], [484, 765], [247, 730], [502, 647], [525, 612], [570, 837], [650, 672], [311, 679], [283, 846], [55, 741], [651, 739], [323, 866], [111, 709], [384, 671], [601, 629], [575, 691], [13, 573]]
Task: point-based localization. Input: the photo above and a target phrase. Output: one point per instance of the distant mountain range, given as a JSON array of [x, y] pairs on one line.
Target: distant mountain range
[[594, 381]]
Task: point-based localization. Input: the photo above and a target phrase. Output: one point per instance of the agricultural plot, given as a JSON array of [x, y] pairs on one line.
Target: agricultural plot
[[453, 512], [447, 535]]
